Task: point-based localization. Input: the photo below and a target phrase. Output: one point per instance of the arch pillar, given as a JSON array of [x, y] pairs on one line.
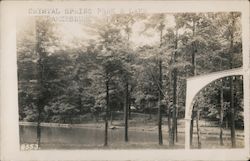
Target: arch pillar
[[195, 85]]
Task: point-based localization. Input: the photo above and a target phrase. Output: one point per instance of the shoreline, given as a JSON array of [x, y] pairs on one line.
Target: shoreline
[[147, 128]]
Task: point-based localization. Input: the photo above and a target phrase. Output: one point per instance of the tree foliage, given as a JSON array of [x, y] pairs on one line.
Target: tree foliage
[[70, 83]]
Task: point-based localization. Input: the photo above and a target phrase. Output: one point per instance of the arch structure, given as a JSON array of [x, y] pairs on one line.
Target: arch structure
[[195, 85]]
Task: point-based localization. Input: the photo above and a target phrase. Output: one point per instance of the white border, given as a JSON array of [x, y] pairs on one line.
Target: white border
[[9, 103]]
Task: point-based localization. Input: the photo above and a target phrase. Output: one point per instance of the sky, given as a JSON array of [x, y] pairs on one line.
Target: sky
[[78, 31], [72, 33]]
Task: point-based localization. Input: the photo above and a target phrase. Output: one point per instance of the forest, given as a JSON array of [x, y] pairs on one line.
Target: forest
[[130, 70]]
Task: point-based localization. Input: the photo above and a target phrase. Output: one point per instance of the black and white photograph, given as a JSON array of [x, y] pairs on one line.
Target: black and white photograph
[[119, 81], [108, 77]]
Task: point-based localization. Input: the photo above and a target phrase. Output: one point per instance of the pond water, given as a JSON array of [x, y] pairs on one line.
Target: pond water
[[93, 138], [60, 137]]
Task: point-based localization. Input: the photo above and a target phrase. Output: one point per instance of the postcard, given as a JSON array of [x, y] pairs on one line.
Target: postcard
[[125, 80]]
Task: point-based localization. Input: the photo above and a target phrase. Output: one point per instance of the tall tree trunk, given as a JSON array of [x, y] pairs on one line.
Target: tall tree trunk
[[126, 107], [38, 129], [169, 127], [129, 109], [150, 111], [191, 128], [232, 113], [174, 103], [160, 91], [111, 117], [41, 97], [174, 125], [128, 103], [226, 126], [170, 137], [198, 129], [159, 105], [221, 113], [40, 103], [107, 114], [232, 107], [80, 90], [194, 74]]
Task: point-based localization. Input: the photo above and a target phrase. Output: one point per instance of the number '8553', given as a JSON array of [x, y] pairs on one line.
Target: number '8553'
[[29, 147]]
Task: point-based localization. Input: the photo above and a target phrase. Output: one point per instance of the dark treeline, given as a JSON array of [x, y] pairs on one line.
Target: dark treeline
[[98, 78]]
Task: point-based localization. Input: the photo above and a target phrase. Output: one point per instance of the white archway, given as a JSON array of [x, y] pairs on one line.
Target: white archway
[[195, 85]]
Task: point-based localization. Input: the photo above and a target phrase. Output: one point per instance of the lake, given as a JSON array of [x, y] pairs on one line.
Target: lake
[[93, 138], [86, 137]]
